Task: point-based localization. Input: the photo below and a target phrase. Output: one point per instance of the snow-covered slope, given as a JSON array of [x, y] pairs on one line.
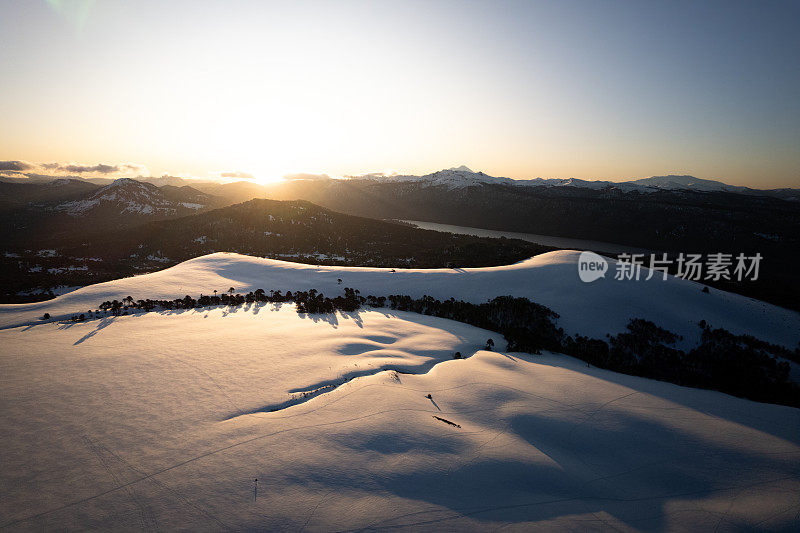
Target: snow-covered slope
[[689, 183], [162, 421], [593, 309], [452, 178]]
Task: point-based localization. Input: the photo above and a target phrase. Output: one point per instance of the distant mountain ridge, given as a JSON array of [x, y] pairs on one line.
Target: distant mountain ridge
[[30, 212], [667, 213], [131, 198], [452, 178], [463, 176], [672, 214]]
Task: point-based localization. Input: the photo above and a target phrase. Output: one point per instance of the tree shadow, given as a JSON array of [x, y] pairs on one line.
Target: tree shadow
[[333, 318], [355, 316], [436, 405], [230, 309], [169, 312], [104, 323], [387, 312], [328, 318]]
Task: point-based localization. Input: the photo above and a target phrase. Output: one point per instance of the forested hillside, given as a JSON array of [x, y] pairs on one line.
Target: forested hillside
[[295, 231]]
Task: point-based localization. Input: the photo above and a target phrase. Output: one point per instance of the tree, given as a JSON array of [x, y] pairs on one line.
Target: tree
[[339, 281], [489, 344], [46, 316], [231, 290], [457, 355]]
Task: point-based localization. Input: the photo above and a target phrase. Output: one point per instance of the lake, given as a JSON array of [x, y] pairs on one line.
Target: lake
[[545, 240]]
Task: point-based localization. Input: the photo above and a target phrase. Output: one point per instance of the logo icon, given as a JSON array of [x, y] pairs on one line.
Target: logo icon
[[591, 266]]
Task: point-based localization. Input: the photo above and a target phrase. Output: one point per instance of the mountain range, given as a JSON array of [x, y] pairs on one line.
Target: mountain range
[[463, 176], [455, 177], [32, 212], [674, 214]]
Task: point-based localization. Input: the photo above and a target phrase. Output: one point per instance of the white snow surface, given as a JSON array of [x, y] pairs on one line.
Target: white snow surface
[[451, 178], [551, 279], [673, 182], [161, 421]]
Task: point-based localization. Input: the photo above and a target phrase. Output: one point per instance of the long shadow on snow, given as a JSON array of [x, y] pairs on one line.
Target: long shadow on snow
[[104, 323], [634, 469], [778, 420]]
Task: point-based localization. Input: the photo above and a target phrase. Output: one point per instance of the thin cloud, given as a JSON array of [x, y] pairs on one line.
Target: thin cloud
[[387, 174], [306, 176], [236, 174]]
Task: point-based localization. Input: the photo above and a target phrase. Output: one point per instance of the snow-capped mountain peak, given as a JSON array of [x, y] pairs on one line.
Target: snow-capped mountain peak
[[124, 182]]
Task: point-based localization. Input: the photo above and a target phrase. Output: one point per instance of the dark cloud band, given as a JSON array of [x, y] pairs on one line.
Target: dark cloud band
[[17, 166]]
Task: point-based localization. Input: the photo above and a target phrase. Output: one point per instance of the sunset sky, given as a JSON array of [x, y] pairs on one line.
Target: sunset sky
[[593, 90]]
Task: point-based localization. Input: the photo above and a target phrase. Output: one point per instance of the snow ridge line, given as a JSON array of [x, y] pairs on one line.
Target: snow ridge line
[[325, 387]]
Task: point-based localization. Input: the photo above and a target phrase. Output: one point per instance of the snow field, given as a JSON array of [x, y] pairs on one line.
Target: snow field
[[162, 421]]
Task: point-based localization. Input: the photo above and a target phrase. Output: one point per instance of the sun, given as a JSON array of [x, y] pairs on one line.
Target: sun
[[267, 179]]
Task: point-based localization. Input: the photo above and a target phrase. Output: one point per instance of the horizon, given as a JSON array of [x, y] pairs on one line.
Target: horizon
[[610, 92], [240, 177]]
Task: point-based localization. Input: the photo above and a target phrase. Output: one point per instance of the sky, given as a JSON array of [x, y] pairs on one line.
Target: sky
[[586, 89]]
